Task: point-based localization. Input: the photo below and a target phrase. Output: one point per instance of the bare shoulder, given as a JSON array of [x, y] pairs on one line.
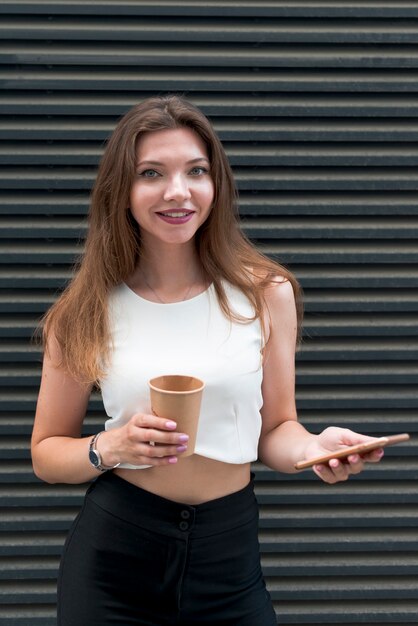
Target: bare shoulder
[[56, 380], [279, 290], [52, 349], [280, 313], [276, 288]]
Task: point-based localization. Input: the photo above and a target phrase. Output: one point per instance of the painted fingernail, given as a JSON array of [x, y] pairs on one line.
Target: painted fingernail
[[319, 468], [170, 424], [181, 448], [172, 459], [184, 438]]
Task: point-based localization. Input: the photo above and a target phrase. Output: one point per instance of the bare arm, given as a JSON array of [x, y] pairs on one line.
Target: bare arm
[[60, 454], [283, 440]]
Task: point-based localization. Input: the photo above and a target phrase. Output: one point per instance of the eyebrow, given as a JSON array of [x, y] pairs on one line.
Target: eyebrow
[[197, 160]]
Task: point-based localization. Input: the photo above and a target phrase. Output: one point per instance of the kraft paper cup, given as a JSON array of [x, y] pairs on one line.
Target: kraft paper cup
[[178, 398]]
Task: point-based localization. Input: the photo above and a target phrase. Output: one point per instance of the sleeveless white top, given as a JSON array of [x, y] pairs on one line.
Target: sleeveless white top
[[192, 338]]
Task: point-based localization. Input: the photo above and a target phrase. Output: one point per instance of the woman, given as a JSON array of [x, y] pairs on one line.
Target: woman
[[169, 284]]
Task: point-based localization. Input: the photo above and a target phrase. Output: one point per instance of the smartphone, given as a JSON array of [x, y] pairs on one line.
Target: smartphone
[[361, 448]]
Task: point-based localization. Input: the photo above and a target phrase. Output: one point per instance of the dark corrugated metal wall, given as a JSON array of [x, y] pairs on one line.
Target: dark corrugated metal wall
[[317, 105]]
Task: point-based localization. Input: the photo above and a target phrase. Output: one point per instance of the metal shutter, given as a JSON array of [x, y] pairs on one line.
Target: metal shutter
[[316, 102]]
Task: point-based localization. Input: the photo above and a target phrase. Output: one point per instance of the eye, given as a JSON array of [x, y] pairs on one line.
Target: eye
[[198, 171], [149, 174]]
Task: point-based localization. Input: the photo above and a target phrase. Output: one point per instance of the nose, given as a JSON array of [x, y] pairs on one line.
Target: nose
[[177, 188]]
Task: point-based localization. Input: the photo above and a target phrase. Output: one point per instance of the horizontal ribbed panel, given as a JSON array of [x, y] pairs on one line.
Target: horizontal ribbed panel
[[271, 8], [245, 8], [213, 29], [316, 103], [112, 103], [114, 54]]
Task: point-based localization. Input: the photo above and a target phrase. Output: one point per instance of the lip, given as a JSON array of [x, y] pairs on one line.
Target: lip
[[176, 220]]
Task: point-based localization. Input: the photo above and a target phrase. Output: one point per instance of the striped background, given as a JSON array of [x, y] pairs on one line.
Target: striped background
[[317, 105]]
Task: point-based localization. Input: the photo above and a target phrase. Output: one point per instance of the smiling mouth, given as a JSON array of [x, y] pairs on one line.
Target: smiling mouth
[[175, 214]]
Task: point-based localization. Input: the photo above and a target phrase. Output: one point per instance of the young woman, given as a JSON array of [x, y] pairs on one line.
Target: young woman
[[169, 284]]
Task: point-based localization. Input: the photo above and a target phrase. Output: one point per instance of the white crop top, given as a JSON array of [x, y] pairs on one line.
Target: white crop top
[[195, 338]]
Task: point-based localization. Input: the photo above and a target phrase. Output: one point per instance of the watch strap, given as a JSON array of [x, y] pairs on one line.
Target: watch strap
[[93, 450]]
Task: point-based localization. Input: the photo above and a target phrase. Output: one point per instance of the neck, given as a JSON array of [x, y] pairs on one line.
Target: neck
[[173, 264], [169, 275]]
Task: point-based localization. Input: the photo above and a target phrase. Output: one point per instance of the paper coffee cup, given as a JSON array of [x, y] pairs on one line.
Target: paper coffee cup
[[178, 398]]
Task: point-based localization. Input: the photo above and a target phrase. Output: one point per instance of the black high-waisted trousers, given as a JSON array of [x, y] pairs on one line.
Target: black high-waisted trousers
[[134, 558]]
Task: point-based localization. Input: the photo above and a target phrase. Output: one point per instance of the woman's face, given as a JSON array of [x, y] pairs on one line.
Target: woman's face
[[173, 190]]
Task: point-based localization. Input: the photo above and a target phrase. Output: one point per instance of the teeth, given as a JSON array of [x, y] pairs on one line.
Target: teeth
[[176, 214]]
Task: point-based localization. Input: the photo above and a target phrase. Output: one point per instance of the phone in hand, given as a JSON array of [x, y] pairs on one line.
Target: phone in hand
[[360, 449]]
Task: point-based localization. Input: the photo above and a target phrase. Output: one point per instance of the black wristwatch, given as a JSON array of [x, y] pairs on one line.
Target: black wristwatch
[[94, 455]]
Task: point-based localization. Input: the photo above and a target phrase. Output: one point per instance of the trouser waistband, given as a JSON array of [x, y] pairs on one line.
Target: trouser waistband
[[158, 514]]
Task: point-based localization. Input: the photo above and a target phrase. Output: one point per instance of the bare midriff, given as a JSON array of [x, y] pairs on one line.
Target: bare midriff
[[192, 480]]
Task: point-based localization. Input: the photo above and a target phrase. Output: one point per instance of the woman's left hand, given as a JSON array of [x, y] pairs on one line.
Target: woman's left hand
[[333, 439]]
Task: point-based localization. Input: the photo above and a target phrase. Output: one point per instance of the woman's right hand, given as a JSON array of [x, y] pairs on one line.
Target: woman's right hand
[[144, 440]]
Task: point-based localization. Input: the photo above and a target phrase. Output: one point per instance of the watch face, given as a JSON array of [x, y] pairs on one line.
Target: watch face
[[94, 459]]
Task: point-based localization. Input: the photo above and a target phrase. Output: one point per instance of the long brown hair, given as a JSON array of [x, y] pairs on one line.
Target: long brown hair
[[79, 318]]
